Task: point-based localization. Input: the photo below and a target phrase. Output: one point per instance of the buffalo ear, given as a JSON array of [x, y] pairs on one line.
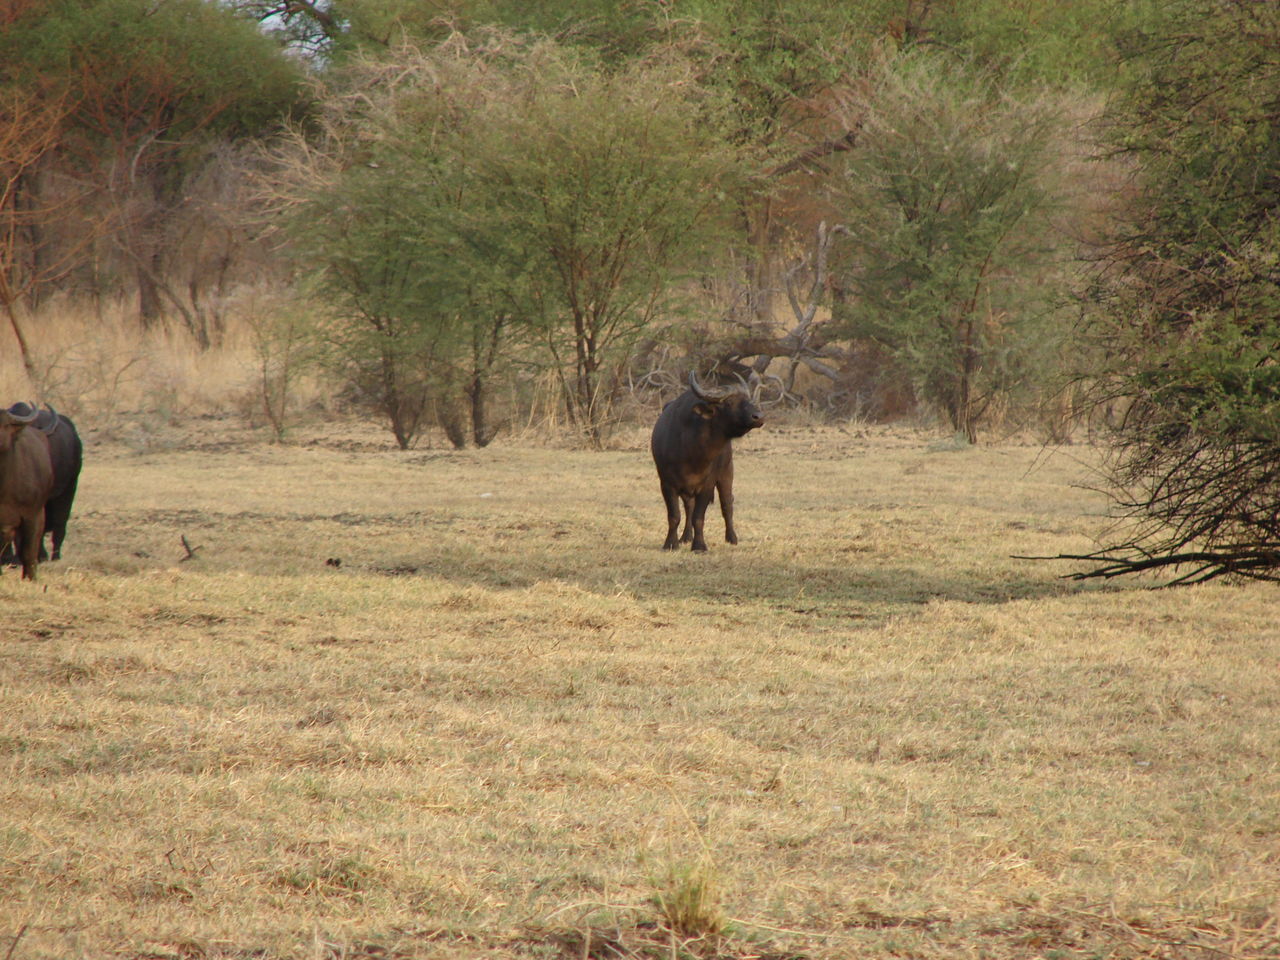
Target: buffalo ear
[[704, 410]]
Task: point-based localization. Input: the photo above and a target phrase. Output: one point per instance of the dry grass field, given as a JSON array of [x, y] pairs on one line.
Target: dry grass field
[[509, 725]]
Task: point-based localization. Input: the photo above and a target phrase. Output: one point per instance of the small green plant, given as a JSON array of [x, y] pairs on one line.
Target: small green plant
[[343, 876], [284, 348], [687, 896]]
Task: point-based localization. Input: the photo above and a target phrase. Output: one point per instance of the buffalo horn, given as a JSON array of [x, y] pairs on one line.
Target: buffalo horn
[[750, 384], [54, 421], [16, 414], [711, 396]]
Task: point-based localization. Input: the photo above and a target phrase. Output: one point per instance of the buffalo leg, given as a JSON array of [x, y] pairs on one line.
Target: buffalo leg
[[31, 533], [699, 518], [672, 500], [56, 513], [725, 486], [688, 518]]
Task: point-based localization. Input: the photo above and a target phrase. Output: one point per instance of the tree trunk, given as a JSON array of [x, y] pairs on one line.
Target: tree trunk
[[449, 416], [587, 386], [482, 432], [968, 369], [762, 267], [392, 402], [150, 303], [25, 202], [12, 308]]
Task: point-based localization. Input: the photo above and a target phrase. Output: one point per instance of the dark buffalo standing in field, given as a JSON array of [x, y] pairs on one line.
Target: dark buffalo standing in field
[[26, 481], [693, 451], [66, 454]]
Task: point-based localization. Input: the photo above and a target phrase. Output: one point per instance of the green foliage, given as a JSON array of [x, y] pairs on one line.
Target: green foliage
[[1034, 41], [1224, 385], [944, 198], [774, 60], [473, 193], [614, 185], [390, 329], [423, 282], [180, 67], [1187, 300], [284, 348], [1200, 115]]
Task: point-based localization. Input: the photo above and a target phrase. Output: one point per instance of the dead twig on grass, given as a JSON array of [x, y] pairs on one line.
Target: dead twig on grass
[[22, 931]]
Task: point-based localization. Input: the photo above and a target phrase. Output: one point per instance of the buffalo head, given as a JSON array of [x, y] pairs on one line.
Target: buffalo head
[[731, 408]]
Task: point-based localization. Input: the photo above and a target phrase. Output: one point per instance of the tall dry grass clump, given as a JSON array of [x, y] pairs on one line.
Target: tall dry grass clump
[[96, 363]]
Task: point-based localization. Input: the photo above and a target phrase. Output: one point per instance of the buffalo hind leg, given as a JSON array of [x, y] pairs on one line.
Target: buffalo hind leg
[[56, 513], [672, 500]]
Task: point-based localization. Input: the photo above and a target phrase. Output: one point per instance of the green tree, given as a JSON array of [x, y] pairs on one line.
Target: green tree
[[1186, 301], [614, 185], [384, 209], [491, 186], [944, 200], [361, 240], [146, 86]]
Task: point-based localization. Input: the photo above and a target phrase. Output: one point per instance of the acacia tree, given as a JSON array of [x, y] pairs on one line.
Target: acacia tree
[[948, 249], [614, 186], [479, 189], [1186, 303], [384, 213], [380, 303]]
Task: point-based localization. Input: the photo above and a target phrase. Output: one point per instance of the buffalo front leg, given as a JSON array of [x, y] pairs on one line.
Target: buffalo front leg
[[688, 518], [699, 519], [725, 487], [672, 500], [30, 537]]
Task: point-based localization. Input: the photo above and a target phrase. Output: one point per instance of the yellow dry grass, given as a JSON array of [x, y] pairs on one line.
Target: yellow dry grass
[[98, 364], [508, 724]]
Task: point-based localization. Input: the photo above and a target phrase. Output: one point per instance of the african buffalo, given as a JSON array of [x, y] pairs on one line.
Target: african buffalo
[[26, 480], [66, 454], [693, 451]]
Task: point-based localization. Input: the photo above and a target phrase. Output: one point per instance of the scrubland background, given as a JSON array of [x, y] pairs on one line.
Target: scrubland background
[[363, 646]]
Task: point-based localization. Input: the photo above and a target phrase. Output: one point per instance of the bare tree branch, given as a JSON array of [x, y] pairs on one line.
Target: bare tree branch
[[1253, 561], [808, 158]]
